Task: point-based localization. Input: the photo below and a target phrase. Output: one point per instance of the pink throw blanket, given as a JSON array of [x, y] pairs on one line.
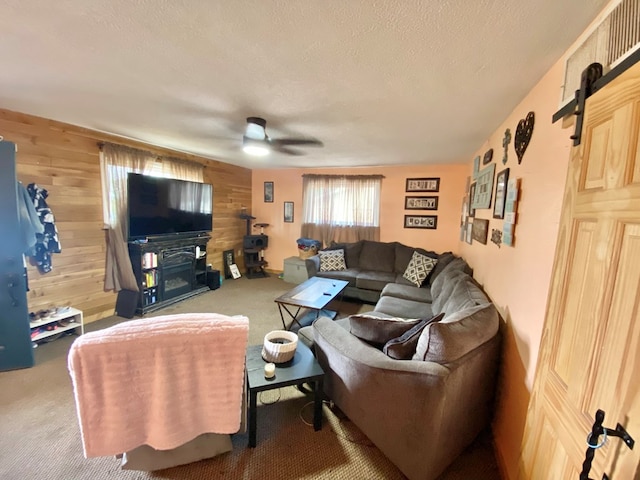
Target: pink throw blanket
[[159, 381]]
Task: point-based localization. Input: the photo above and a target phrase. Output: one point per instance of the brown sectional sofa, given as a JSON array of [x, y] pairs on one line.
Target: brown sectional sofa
[[424, 411]]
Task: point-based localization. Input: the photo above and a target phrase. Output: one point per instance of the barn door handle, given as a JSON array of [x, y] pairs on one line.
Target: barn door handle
[[593, 442]]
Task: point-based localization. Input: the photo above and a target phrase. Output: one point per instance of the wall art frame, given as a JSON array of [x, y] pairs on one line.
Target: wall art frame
[[428, 184], [429, 222], [484, 187], [501, 193], [480, 230], [421, 203], [288, 212], [472, 192], [268, 192]]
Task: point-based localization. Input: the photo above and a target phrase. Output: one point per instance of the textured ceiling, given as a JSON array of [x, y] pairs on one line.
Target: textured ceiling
[[379, 82]]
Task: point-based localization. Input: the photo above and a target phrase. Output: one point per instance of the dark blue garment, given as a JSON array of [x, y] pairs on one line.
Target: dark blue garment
[[48, 241]]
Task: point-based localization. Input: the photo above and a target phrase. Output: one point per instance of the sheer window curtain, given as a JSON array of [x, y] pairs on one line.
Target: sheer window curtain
[[341, 208], [116, 162]]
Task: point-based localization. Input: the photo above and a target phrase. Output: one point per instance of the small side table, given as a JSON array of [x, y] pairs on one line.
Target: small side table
[[302, 368]]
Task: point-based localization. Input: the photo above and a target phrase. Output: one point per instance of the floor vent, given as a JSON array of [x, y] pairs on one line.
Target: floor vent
[[611, 42]]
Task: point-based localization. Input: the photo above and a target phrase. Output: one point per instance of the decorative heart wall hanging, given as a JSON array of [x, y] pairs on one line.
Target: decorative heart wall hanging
[[523, 135], [505, 144]]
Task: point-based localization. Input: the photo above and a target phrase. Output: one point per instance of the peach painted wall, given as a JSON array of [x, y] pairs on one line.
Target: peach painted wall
[[288, 187], [517, 278]]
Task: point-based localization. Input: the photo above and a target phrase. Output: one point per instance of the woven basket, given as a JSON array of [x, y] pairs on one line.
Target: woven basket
[[307, 253], [279, 346]]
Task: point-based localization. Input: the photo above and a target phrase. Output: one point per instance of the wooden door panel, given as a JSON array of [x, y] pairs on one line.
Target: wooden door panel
[[590, 349]]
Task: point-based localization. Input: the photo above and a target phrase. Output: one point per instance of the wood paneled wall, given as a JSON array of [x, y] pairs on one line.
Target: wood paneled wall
[[64, 160]]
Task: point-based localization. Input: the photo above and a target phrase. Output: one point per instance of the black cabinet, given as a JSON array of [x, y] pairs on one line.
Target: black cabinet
[[169, 270], [15, 333]]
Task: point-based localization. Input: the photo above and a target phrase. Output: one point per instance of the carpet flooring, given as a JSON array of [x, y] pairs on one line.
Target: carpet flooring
[[40, 439]]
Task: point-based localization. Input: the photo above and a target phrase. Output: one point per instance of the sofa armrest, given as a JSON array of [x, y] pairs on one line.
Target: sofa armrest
[[420, 414]]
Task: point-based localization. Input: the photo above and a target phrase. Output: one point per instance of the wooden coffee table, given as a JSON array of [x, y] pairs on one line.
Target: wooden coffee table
[[302, 368], [313, 294]]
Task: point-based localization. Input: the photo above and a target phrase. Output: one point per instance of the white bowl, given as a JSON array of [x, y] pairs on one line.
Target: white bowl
[[279, 346]]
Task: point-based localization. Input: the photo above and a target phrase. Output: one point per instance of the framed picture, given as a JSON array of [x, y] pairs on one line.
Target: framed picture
[[480, 230], [472, 192], [501, 193], [420, 203], [431, 184], [469, 231], [476, 167], [484, 187], [268, 192], [228, 259], [288, 212], [421, 221]]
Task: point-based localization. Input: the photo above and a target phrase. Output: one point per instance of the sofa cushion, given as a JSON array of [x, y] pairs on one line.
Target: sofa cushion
[[465, 294], [457, 334], [379, 329], [377, 256], [351, 252], [404, 346], [419, 267], [332, 260], [399, 307], [404, 254], [348, 275], [408, 292], [370, 280], [443, 285], [444, 259]]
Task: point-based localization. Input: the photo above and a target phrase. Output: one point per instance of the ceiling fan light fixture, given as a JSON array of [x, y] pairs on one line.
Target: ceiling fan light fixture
[[256, 128], [257, 148]]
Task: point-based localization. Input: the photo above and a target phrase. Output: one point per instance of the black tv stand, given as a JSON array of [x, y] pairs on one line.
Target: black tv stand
[[168, 270]]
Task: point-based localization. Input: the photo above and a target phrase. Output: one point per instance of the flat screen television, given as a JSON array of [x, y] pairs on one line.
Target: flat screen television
[[165, 206]]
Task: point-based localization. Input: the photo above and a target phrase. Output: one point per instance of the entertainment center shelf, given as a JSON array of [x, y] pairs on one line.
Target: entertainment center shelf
[[168, 269]]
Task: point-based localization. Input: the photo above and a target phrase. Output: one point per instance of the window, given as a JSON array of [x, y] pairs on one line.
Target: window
[[341, 207]]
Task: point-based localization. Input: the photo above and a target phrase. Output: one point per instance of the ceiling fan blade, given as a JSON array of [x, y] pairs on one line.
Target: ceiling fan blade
[[311, 142], [288, 151]]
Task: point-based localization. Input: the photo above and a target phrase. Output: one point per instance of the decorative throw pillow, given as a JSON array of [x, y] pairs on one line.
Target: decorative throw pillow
[[419, 268], [378, 330], [404, 346], [332, 260]]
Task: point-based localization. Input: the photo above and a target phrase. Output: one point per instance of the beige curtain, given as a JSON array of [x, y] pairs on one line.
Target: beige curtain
[[341, 208], [116, 162]]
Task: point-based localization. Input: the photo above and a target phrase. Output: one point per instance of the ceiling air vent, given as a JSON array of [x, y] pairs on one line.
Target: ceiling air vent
[[611, 42]]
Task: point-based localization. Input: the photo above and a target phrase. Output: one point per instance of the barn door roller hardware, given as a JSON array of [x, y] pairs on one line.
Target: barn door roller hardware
[[591, 81]]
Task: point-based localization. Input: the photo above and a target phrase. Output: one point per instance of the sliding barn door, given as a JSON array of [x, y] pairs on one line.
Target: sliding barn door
[[590, 357], [15, 339]]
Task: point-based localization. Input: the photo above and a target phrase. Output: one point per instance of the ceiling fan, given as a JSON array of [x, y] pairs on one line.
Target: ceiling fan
[[255, 140]]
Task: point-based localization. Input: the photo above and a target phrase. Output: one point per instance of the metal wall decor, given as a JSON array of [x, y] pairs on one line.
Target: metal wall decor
[[480, 230], [484, 187], [505, 144], [421, 221], [420, 203], [431, 184], [523, 135], [488, 156], [496, 236]]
